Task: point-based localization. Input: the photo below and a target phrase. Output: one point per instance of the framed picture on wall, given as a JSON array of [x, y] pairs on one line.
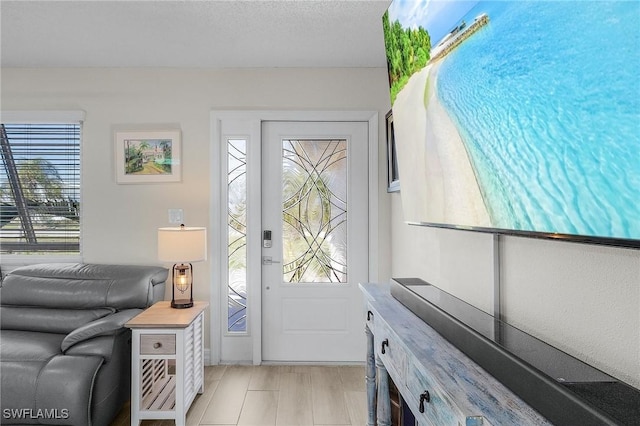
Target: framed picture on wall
[[393, 175], [147, 156]]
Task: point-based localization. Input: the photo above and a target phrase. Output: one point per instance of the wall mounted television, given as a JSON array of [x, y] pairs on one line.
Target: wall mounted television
[[518, 117]]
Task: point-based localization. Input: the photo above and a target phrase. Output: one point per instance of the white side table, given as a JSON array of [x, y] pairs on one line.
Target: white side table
[[167, 361]]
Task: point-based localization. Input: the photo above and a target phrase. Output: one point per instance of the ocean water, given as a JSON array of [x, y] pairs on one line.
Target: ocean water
[[547, 100]]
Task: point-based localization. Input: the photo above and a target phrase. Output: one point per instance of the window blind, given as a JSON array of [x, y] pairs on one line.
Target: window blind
[[40, 188]]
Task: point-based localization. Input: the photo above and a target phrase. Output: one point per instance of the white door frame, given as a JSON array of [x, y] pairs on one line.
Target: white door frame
[[247, 124]]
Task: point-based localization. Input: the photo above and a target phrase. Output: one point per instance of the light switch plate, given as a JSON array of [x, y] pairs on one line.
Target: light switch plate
[[176, 216]]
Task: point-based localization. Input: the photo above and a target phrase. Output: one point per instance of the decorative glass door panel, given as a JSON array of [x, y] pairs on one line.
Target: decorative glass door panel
[[314, 211], [237, 235]]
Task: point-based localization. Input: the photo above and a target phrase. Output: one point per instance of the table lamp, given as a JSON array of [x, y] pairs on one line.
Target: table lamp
[[182, 245]]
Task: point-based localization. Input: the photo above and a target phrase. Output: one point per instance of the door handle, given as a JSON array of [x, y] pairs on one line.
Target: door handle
[[267, 260], [424, 397]]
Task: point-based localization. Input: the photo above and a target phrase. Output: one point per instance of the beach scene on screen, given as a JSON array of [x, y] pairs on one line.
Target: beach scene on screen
[[518, 115]]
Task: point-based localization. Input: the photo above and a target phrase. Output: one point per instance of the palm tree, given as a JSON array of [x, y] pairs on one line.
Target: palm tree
[[166, 151], [40, 181], [134, 155], [43, 190]]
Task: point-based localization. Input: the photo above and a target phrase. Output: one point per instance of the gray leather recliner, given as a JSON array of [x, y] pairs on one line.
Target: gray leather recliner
[[65, 357]]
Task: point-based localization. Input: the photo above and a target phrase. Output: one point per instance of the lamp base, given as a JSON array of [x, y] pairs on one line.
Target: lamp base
[[181, 304]]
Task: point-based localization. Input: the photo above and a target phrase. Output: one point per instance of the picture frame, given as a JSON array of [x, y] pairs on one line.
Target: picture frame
[[393, 174], [148, 156]]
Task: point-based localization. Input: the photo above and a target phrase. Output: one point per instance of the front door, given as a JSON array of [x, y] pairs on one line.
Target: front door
[[315, 240]]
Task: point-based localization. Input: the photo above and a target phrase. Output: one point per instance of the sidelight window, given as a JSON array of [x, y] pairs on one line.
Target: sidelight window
[[237, 235]]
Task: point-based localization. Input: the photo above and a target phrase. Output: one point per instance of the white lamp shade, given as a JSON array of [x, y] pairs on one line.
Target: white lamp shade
[[182, 244]]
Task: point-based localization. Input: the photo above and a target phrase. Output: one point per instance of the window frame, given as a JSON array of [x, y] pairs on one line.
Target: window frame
[[10, 261]]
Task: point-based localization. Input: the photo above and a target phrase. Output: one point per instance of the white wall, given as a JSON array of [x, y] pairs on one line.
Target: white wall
[[120, 221], [583, 299]]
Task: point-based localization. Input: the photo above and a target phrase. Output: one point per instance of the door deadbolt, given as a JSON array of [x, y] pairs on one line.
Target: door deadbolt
[[266, 239]]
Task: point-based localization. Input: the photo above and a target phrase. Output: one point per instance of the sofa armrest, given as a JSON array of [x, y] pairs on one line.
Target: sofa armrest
[[98, 327]]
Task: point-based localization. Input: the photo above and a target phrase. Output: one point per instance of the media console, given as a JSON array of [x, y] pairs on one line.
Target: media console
[[456, 365]]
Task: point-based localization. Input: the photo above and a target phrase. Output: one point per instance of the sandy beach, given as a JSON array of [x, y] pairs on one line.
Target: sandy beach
[[438, 184]]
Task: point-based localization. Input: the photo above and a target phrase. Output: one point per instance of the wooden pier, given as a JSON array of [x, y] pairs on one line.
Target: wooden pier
[[441, 51]]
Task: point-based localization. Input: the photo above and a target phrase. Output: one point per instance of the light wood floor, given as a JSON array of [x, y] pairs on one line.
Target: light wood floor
[[275, 395]]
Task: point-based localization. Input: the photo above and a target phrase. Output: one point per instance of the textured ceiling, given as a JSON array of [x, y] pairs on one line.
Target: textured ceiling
[[191, 33]]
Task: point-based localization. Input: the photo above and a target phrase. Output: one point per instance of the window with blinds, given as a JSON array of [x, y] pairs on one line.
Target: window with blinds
[[40, 189]]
